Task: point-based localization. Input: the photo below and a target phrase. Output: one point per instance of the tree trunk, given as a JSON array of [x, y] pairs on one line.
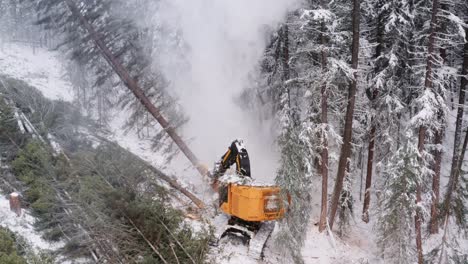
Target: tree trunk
[[371, 148], [133, 86], [346, 147], [324, 136], [284, 59], [422, 129], [370, 161], [460, 111], [434, 226], [439, 135], [458, 154], [285, 52]]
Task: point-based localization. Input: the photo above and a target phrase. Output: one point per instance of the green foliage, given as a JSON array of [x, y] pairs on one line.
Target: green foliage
[[33, 161], [460, 196], [7, 242], [8, 249], [11, 258], [10, 138], [398, 208], [294, 176], [41, 258], [34, 166], [105, 187], [161, 225], [345, 209]]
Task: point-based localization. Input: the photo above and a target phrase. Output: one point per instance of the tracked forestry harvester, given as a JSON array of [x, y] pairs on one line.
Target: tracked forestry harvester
[[250, 209]]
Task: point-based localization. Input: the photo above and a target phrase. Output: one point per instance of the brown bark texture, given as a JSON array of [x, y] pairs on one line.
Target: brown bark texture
[[371, 147], [370, 161], [434, 225], [324, 137], [428, 83], [458, 154], [15, 204], [139, 94], [348, 129]]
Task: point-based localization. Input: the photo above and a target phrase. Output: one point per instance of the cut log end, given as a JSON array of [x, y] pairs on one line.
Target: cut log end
[[15, 203]]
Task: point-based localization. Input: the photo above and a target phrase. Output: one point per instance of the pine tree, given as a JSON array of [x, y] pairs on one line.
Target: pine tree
[[397, 209], [343, 165], [294, 173], [390, 68], [127, 43]]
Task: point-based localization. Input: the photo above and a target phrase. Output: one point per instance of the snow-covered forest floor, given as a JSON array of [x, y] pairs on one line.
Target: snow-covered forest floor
[[23, 226], [43, 70]]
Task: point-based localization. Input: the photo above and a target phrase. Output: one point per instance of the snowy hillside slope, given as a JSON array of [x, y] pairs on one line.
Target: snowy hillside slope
[[23, 226], [44, 71], [41, 69]]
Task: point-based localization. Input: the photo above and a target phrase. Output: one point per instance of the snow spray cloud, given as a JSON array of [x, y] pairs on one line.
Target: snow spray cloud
[[220, 42]]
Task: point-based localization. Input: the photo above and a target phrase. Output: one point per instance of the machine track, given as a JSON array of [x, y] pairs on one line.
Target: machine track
[[257, 243], [257, 237]]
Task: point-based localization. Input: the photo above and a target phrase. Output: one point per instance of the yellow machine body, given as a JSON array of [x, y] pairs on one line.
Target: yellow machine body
[[254, 203]]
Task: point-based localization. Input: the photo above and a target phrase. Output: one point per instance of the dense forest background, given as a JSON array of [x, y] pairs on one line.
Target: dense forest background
[[365, 98]]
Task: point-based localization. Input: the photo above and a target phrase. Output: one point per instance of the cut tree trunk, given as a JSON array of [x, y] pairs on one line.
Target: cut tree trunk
[[428, 83], [324, 136], [133, 86], [348, 129], [15, 204]]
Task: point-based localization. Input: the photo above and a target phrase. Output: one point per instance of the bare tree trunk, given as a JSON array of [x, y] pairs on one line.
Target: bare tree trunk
[[439, 135], [133, 86], [139, 94], [417, 217], [434, 225], [348, 129], [422, 129], [285, 53], [460, 111], [324, 136], [284, 59], [458, 154], [370, 161], [453, 182], [370, 153]]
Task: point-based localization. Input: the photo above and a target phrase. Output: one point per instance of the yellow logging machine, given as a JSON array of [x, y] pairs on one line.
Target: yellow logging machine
[[251, 209]]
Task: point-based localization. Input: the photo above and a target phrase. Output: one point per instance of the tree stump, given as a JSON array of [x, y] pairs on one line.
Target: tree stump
[[15, 204]]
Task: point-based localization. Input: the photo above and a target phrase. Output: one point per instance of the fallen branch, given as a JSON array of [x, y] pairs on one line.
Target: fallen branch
[[161, 175], [146, 240]]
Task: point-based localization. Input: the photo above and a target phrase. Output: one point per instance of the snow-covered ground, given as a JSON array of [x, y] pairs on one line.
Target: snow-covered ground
[[23, 226], [41, 69], [44, 71]]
